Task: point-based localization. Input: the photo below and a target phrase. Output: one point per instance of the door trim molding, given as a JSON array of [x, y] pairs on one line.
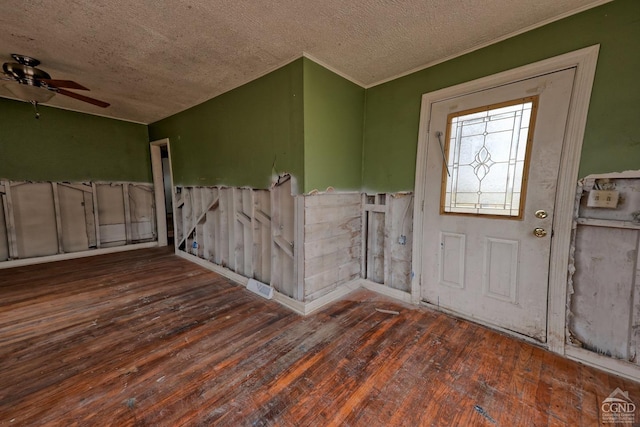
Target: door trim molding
[[584, 60], [158, 188]]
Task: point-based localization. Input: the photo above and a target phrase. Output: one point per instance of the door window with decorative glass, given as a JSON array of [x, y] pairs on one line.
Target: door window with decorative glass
[[487, 159]]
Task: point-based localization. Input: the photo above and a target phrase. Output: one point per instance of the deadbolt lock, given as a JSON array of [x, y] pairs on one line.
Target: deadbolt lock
[[539, 232], [542, 214]]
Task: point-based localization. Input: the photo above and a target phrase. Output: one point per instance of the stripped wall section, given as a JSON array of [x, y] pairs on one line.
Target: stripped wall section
[[387, 227], [34, 215], [332, 242], [283, 240], [304, 246], [49, 218], [262, 235], [250, 232], [141, 218], [126, 213], [4, 236], [77, 216], [604, 288]]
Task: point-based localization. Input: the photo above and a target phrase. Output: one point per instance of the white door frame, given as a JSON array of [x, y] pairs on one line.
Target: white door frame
[[585, 62], [158, 188]]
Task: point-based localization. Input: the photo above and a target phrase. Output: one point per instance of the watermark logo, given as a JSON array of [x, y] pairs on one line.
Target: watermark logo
[[618, 408]]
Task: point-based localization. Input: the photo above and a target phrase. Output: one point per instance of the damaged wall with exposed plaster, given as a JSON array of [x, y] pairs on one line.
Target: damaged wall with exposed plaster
[[40, 219], [603, 313], [305, 246], [71, 182]]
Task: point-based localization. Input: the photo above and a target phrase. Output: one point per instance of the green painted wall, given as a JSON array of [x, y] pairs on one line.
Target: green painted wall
[[309, 121], [235, 138], [68, 146], [333, 120], [612, 139]]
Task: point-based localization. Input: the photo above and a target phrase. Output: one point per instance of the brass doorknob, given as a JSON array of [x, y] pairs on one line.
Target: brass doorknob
[[539, 232]]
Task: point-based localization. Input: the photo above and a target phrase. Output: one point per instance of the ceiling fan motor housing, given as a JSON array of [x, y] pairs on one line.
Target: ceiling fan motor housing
[[25, 73]]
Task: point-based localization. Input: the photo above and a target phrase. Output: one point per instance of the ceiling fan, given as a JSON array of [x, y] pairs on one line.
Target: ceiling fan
[[24, 72]]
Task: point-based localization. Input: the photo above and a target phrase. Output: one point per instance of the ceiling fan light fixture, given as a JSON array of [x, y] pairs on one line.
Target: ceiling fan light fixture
[[30, 93], [36, 86]]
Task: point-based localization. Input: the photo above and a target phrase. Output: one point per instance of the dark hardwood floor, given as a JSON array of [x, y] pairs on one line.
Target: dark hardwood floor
[[145, 338]]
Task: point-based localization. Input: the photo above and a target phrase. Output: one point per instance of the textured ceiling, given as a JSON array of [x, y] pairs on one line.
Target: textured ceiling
[[152, 59]]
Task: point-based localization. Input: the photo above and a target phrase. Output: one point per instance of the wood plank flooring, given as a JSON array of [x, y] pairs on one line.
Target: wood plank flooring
[[145, 338]]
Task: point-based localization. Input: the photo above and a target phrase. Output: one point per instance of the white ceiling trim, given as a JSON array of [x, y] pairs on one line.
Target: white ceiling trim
[[491, 42], [333, 69]]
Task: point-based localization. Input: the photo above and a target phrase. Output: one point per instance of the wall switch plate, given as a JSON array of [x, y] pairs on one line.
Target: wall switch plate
[[603, 199]]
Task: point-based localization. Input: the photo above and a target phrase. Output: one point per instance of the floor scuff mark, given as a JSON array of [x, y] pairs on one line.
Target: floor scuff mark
[[131, 403], [481, 411]]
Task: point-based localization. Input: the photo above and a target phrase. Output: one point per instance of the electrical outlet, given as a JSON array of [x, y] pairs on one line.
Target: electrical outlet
[[402, 240], [603, 199]]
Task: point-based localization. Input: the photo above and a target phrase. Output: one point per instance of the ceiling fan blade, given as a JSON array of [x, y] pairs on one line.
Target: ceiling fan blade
[[83, 98], [69, 84]]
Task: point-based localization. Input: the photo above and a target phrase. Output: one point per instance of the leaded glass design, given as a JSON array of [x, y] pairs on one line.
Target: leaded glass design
[[487, 152]]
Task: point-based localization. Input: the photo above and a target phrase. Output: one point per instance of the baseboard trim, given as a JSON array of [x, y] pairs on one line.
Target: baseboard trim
[[607, 364], [290, 303], [300, 307], [223, 271], [385, 290], [75, 255], [332, 296]]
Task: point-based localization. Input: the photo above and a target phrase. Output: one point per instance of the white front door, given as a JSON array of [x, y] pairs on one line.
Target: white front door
[[491, 175]]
